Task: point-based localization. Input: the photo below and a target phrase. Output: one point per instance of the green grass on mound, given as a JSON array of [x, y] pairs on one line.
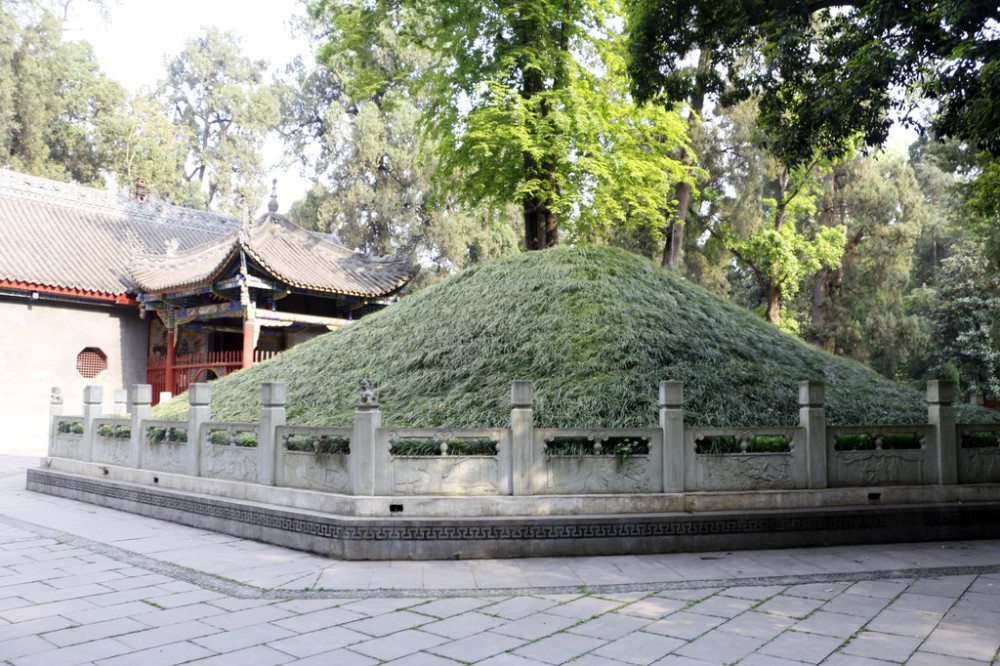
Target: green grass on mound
[[595, 328]]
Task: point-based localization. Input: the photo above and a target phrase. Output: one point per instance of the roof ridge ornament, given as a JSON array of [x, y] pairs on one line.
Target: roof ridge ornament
[[272, 205], [247, 224]]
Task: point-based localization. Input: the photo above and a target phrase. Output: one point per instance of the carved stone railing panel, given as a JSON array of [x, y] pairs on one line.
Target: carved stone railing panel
[[445, 475], [112, 441], [744, 458], [229, 451], [314, 457], [979, 453], [165, 446], [66, 439], [463, 442], [447, 461], [879, 455], [600, 460]]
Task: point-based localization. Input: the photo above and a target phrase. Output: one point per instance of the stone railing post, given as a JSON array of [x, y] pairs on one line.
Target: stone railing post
[[199, 412], [55, 409], [120, 400], [525, 464], [139, 408], [368, 461], [272, 415], [672, 424], [812, 417], [943, 452], [93, 396]]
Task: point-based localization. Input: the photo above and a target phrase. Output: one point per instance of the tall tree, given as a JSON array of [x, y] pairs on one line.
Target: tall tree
[[966, 322], [143, 142], [529, 106], [858, 305], [54, 102], [764, 214], [222, 102], [355, 123], [826, 70]]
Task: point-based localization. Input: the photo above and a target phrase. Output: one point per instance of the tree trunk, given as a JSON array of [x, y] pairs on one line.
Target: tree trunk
[[773, 312], [674, 242], [817, 313]]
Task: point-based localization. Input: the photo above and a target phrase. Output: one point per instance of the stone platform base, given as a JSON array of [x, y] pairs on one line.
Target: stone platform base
[[457, 536]]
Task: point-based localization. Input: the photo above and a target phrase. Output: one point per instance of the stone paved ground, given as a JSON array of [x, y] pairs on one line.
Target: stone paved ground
[[83, 584]]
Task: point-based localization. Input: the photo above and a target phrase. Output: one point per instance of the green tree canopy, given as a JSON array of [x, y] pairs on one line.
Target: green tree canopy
[[55, 103], [221, 101], [827, 70], [354, 122], [528, 105]]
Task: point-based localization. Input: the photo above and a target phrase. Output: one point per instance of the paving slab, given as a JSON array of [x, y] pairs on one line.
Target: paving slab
[[84, 584]]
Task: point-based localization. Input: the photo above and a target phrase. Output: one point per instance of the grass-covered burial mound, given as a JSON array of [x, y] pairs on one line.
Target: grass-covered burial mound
[[595, 328]]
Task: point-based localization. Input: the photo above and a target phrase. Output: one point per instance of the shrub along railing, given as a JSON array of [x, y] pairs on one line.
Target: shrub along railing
[[367, 459]]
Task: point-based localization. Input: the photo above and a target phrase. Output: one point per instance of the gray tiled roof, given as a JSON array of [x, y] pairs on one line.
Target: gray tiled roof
[[293, 255], [64, 235]]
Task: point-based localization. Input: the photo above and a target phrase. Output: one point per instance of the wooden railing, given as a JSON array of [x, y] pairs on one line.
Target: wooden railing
[[191, 368]]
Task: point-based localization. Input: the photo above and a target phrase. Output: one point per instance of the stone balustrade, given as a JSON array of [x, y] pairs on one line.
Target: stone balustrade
[[369, 460]]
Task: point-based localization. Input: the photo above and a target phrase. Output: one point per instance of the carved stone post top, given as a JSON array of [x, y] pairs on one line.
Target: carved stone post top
[[273, 394], [671, 394], [812, 394], [199, 394], [93, 395], [367, 399], [55, 397], [522, 393], [141, 394], [940, 391]]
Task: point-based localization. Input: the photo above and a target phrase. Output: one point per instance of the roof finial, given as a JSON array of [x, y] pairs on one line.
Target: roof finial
[[273, 204]]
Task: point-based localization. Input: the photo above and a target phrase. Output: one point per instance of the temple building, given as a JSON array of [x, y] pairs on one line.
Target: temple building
[[99, 288]]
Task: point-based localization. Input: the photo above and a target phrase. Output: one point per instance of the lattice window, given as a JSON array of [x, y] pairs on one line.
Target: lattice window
[[91, 362]]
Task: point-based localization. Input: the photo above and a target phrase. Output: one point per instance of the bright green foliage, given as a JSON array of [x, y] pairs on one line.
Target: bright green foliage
[[783, 256], [595, 328], [361, 108], [765, 215], [144, 143], [529, 107], [55, 103], [224, 107]]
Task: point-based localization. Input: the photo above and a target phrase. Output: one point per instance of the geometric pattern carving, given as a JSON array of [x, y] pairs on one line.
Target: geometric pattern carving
[[535, 529]]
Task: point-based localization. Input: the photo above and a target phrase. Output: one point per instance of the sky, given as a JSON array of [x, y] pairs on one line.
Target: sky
[[136, 38]]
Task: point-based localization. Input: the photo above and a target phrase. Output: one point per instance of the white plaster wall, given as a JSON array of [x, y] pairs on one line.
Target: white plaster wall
[[39, 343]]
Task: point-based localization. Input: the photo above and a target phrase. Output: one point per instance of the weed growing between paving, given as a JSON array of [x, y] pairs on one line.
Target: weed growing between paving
[[595, 328]]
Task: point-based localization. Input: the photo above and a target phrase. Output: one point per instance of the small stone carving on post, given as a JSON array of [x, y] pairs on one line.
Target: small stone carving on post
[[368, 461], [367, 398]]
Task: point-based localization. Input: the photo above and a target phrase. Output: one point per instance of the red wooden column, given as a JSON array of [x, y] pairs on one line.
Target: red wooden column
[[171, 361], [248, 346]]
